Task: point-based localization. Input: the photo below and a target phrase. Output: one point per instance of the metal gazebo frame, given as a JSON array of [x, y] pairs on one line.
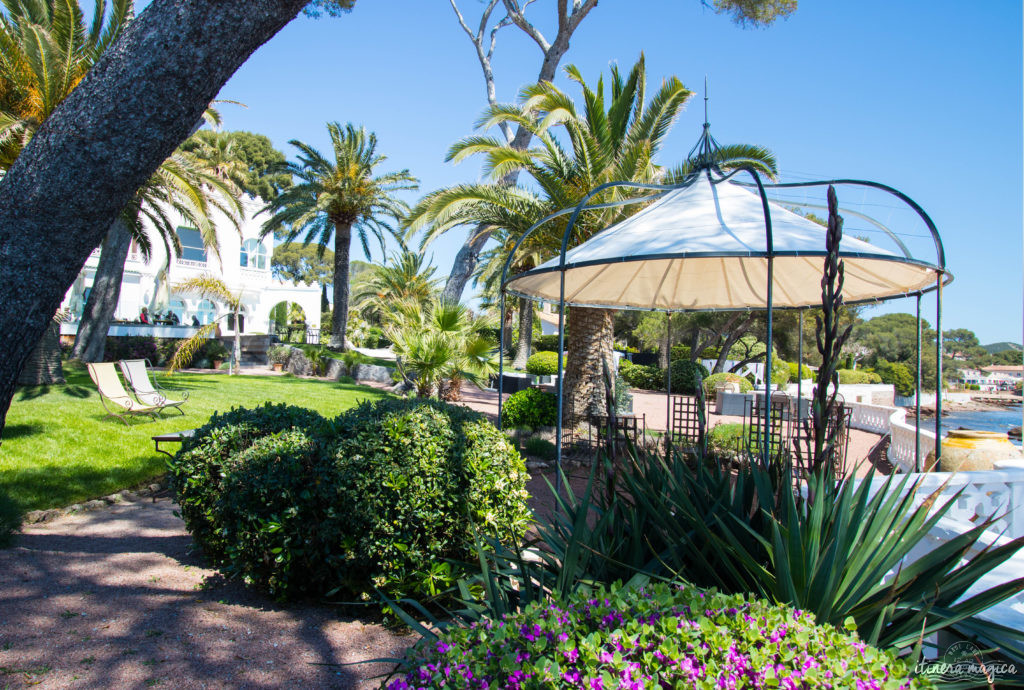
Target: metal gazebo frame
[[704, 157]]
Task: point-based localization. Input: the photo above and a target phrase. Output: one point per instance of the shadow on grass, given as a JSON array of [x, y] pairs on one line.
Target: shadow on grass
[[76, 391], [33, 488], [21, 430], [33, 392]]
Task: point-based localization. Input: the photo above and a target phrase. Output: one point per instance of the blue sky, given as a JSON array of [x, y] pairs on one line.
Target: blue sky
[[923, 96]]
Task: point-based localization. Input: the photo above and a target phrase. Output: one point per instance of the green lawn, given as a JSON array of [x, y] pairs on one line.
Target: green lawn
[[58, 450]]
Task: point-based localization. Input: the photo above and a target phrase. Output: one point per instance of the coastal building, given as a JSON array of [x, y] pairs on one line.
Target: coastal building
[[1004, 376], [243, 264]]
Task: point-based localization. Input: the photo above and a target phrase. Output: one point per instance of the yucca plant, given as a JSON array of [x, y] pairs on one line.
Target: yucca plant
[[212, 288]]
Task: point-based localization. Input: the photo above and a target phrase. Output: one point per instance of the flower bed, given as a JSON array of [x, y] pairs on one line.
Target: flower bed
[[659, 637]]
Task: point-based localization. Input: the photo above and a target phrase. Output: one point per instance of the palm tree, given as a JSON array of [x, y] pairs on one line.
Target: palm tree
[[442, 345], [45, 51], [212, 288], [404, 277], [608, 140], [335, 197], [504, 213], [617, 141]]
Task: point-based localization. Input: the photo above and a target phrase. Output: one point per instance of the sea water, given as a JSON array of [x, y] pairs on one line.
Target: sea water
[[980, 420]]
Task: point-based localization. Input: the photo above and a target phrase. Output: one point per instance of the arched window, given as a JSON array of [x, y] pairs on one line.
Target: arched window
[[206, 311], [253, 255], [178, 307]]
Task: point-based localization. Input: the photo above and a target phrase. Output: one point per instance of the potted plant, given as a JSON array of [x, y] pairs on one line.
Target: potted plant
[[216, 353], [278, 356]]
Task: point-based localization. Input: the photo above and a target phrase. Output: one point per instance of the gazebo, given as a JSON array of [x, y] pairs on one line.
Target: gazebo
[[717, 242]]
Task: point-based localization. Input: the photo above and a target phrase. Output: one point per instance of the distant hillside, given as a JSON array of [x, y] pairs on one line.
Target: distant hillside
[[1001, 347]]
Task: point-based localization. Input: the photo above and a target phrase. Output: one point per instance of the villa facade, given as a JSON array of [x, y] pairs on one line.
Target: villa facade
[[243, 264]]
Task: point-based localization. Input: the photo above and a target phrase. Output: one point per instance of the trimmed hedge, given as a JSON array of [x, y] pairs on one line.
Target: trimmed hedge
[[378, 499], [857, 376], [531, 407], [543, 364], [662, 636], [548, 343]]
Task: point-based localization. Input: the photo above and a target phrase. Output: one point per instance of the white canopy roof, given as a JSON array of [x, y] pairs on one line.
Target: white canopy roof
[[703, 247]]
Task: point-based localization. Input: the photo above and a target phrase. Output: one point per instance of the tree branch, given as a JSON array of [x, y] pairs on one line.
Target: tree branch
[[517, 17]]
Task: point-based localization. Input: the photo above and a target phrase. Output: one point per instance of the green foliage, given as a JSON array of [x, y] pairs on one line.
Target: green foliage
[[795, 373], [303, 263], [278, 354], [531, 407], [10, 519], [680, 351], [897, 374], [258, 162], [642, 376], [215, 349], [780, 371], [714, 379], [727, 437], [543, 363], [687, 376], [548, 343], [540, 448], [893, 337], [657, 636], [748, 530], [858, 376], [378, 499], [138, 347]]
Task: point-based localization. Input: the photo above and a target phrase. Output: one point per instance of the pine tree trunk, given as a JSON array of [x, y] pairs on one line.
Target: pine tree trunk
[[342, 244], [105, 139], [91, 341], [591, 335], [525, 334]]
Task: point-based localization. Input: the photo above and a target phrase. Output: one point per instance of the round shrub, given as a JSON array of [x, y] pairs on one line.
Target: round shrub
[[379, 499], [725, 377], [642, 376], [727, 437], [780, 372], [531, 407], [543, 364], [663, 636], [687, 375], [197, 472]]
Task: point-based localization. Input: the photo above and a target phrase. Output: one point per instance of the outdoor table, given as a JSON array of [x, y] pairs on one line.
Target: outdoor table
[[175, 437]]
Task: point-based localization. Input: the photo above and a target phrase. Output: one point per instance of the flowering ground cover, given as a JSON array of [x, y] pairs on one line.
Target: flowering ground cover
[[659, 637]]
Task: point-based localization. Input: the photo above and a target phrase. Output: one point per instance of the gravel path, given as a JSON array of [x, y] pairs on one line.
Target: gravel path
[[114, 599]]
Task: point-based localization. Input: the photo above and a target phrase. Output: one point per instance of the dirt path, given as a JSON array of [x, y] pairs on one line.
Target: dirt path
[[115, 599]]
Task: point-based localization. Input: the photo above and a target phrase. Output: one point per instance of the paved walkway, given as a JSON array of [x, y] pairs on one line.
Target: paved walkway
[[116, 599], [863, 448]]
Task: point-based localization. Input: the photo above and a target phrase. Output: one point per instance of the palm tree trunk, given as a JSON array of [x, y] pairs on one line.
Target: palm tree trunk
[[590, 348], [43, 367], [525, 334], [342, 243], [91, 341], [236, 352]]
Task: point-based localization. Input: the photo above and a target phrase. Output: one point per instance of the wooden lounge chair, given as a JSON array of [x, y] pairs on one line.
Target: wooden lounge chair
[[147, 391], [121, 405]]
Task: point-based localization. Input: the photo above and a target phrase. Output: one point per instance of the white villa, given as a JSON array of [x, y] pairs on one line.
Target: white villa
[[993, 378], [244, 264]]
